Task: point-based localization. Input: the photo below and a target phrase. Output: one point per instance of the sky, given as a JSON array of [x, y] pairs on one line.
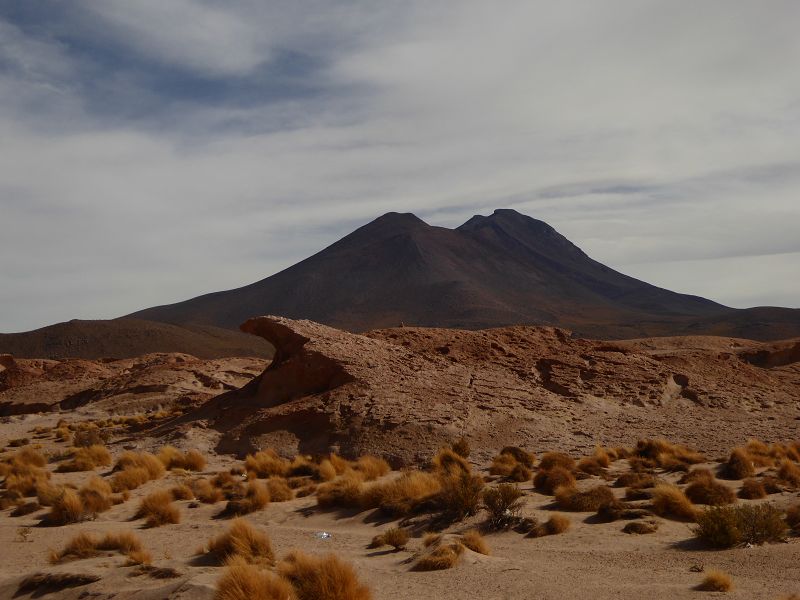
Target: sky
[[153, 151]]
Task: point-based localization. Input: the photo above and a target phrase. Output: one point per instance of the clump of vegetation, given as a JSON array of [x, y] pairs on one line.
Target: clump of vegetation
[[460, 495], [347, 491], [793, 517], [550, 460], [513, 463], [461, 447], [205, 491], [670, 501], [172, 458], [396, 537], [635, 478], [503, 504], [439, 556], [157, 508], [729, 526], [640, 527], [133, 469], [447, 463], [243, 541], [715, 581], [548, 480], [279, 490], [86, 458], [789, 472], [243, 581], [97, 497], [473, 540], [738, 466], [322, 578], [711, 492], [181, 492], [255, 498], [266, 463], [668, 456], [555, 525], [85, 545], [752, 489], [66, 508], [569, 498]]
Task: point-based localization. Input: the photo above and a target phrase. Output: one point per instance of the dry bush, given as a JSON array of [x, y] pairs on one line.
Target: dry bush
[[503, 465], [129, 479], [88, 434], [157, 508], [503, 504], [546, 481], [635, 479], [205, 492], [96, 496], [401, 495], [244, 541], [138, 557], [604, 456], [63, 434], [738, 466], [789, 472], [460, 495], [242, 581], [616, 510], [670, 501], [715, 581], [344, 492], [66, 508], [793, 517], [85, 545], [772, 485], [447, 462], [25, 509], [711, 492], [569, 498], [133, 469], [172, 458], [728, 526], [181, 492], [668, 456], [555, 525], [640, 527], [440, 557], [697, 475], [232, 488], [473, 540], [327, 471], [396, 537], [322, 578], [303, 466], [752, 489], [28, 456], [266, 463], [556, 459], [523, 457], [124, 542], [461, 447], [255, 498], [338, 463], [591, 466], [279, 490], [431, 539], [520, 474], [372, 467], [86, 458]]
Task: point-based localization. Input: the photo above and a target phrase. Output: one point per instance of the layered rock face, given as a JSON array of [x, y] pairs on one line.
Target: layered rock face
[[403, 392]]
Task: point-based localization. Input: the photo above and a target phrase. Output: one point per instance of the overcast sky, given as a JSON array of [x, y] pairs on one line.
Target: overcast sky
[[153, 151]]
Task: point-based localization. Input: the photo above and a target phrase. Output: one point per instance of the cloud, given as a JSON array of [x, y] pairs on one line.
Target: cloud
[[154, 151]]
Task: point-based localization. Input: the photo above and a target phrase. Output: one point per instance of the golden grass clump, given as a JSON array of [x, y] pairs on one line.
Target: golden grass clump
[[461, 447], [66, 508], [752, 489], [244, 541], [279, 490], [569, 498], [793, 517], [133, 469], [789, 472], [670, 501], [738, 466], [728, 526], [668, 456], [556, 459], [402, 494], [461, 495], [255, 498], [266, 463], [84, 545], [338, 463], [242, 581], [439, 557], [322, 578], [635, 479], [327, 472], [345, 491], [172, 458], [47, 493], [96, 496], [205, 491], [523, 457], [396, 537], [28, 456], [502, 503], [157, 509], [715, 581], [372, 467], [546, 481], [711, 492], [86, 458], [129, 479], [181, 492], [447, 462], [473, 540], [513, 463], [555, 525]]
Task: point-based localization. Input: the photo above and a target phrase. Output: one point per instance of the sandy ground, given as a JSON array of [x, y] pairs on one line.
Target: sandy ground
[[588, 561]]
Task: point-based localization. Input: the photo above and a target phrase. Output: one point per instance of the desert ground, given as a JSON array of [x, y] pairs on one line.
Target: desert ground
[[520, 459]]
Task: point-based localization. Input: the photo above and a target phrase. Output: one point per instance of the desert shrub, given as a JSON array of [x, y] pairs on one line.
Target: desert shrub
[[711, 492], [372, 467], [697, 475], [137, 465], [635, 479], [396, 537], [327, 471], [738, 466], [447, 462], [460, 495], [88, 434], [181, 492], [556, 459], [205, 492], [473, 540], [503, 504], [279, 490], [303, 466], [344, 492], [255, 498], [242, 581], [615, 510], [402, 495], [640, 527], [63, 434], [521, 456], [569, 498], [752, 489], [670, 501], [728, 526], [546, 481], [715, 581], [440, 557], [86, 458], [772, 485], [25, 509], [338, 463], [66, 508], [96, 496], [590, 465], [244, 541], [172, 458], [157, 508], [322, 578], [603, 456], [266, 463], [793, 517], [461, 447], [232, 488], [503, 465], [555, 525], [85, 545], [668, 456], [520, 473], [789, 472], [28, 456]]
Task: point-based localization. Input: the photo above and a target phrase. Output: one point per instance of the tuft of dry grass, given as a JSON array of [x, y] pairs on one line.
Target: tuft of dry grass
[[738, 466], [327, 472], [181, 492], [205, 492], [447, 462], [255, 498], [244, 541], [523, 457], [86, 458], [473, 540], [242, 581], [789, 472], [396, 537], [157, 508], [129, 479], [266, 463], [711, 492], [728, 526], [635, 479], [322, 578], [546, 481], [345, 491], [555, 525], [96, 496], [133, 469], [172, 458], [279, 490], [569, 498], [84, 545], [556, 459], [752, 489], [715, 581], [640, 527], [668, 456], [372, 467], [503, 504], [793, 517], [66, 508], [460, 495], [461, 447], [670, 501], [503, 465], [439, 557], [400, 495]]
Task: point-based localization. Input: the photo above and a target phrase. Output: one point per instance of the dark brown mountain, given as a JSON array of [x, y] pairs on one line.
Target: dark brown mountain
[[499, 270], [127, 338]]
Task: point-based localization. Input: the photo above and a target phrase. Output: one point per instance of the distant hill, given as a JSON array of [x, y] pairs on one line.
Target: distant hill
[[126, 338], [499, 270]]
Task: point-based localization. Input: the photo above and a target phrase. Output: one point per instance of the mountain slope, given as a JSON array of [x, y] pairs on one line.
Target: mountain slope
[[503, 269], [127, 338]]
